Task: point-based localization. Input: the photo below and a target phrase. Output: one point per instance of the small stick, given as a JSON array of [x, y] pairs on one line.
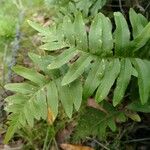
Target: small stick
[[120, 5], [137, 140], [55, 142], [103, 146], [147, 6]]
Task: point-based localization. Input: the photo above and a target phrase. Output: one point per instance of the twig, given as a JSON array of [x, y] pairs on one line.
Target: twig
[[139, 6], [4, 61], [116, 6], [100, 144], [137, 140], [49, 144], [120, 5], [46, 138], [147, 6], [56, 145], [17, 40]]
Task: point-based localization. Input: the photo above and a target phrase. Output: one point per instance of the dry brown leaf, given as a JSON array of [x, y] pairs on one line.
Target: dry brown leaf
[[133, 115], [74, 147], [50, 116], [64, 134], [53, 147], [47, 23], [17, 79], [91, 103]]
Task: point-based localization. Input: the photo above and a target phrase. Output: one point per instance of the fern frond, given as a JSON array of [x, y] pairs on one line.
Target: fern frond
[[100, 56], [39, 94], [94, 123], [98, 45]]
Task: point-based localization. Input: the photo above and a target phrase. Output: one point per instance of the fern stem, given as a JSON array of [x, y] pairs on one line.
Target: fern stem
[[48, 146], [46, 138], [56, 145]]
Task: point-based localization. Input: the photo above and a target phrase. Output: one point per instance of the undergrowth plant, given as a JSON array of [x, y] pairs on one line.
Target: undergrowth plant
[[7, 34], [11, 26], [71, 6], [94, 59]]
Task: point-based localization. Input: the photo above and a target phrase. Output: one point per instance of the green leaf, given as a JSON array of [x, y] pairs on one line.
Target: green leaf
[[136, 106], [122, 34], [97, 5], [95, 35], [94, 77], [30, 74], [52, 97], [23, 88], [41, 101], [141, 39], [16, 99], [108, 80], [107, 40], [142, 67], [66, 100], [134, 116], [51, 35], [102, 130], [70, 95], [76, 93], [90, 123], [137, 22], [39, 28], [53, 46], [143, 20], [68, 30], [134, 72], [77, 69], [63, 58], [94, 122], [84, 6], [41, 61], [112, 124], [15, 108], [28, 115], [121, 117], [123, 80], [100, 35], [14, 124], [34, 107], [22, 119], [80, 33], [60, 34]]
